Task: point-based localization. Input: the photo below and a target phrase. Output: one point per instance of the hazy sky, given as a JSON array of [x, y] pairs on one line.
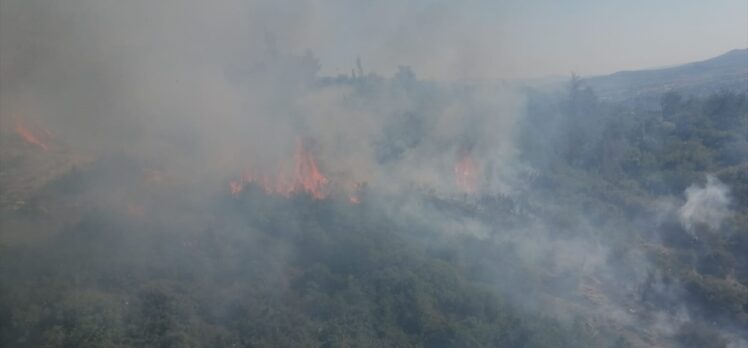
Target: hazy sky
[[443, 39], [515, 38]]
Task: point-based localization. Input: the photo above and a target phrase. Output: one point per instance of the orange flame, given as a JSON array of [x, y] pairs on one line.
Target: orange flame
[[308, 175], [29, 136], [304, 177], [466, 172]]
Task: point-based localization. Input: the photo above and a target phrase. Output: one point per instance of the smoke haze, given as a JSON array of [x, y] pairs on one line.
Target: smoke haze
[[211, 143]]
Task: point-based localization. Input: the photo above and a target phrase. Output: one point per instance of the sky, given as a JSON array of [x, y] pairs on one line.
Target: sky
[[439, 39], [510, 39]]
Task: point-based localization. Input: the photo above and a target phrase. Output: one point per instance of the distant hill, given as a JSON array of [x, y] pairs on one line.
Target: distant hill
[[725, 72]]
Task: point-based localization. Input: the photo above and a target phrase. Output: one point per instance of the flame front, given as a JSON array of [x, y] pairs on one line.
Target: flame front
[[29, 136], [304, 176], [308, 175], [466, 172]]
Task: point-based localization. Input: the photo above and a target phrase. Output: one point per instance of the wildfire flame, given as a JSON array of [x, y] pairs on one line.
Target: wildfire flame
[[466, 172], [29, 135], [308, 174], [304, 176]]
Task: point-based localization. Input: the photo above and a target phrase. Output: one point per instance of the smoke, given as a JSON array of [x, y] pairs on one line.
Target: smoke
[[736, 342], [213, 89], [210, 91], [706, 205]]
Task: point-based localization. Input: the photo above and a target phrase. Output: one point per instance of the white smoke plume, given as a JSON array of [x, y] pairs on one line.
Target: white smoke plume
[[705, 205]]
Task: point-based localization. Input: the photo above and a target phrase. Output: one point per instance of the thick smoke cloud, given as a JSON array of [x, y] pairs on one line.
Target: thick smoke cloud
[[212, 88]]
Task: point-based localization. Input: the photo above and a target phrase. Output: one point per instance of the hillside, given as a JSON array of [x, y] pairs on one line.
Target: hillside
[[725, 72], [613, 226], [337, 174]]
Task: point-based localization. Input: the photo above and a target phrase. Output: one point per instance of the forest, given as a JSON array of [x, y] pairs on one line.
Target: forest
[[204, 267], [427, 173]]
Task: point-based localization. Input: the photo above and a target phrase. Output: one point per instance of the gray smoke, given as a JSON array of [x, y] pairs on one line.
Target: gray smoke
[[208, 89]]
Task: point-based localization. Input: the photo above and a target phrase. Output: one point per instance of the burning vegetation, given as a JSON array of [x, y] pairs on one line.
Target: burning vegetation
[[32, 134], [369, 210], [304, 175]]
